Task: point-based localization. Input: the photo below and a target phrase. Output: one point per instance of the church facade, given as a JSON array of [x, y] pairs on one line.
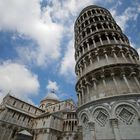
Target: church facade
[[53, 120], [108, 90]]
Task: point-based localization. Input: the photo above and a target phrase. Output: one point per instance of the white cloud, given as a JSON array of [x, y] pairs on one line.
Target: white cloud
[[52, 85], [18, 80], [68, 62], [130, 13], [26, 17]]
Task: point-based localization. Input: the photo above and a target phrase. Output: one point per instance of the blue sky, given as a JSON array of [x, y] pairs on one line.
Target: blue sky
[[36, 44]]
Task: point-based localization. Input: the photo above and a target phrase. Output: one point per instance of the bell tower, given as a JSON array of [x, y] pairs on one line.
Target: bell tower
[[108, 78]]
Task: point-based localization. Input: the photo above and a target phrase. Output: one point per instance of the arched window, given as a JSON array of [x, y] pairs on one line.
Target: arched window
[[96, 18], [101, 18], [86, 22], [110, 25], [96, 38], [81, 18], [99, 26], [105, 26], [93, 28], [85, 15], [110, 36], [89, 13], [90, 41], [88, 31], [83, 34], [93, 11], [116, 36], [82, 25], [98, 11], [103, 37], [91, 20]]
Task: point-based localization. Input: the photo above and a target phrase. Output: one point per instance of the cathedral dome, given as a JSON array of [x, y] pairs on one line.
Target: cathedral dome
[[50, 99], [51, 96]]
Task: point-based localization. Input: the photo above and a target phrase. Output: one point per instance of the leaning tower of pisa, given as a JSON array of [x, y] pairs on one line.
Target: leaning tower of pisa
[[108, 78]]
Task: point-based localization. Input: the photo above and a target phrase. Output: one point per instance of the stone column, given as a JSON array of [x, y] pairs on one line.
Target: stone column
[[126, 82], [94, 85], [96, 54], [133, 74], [79, 51], [120, 39], [107, 38], [114, 54], [3, 134], [82, 48], [115, 127], [88, 93], [34, 137], [94, 44], [80, 66], [103, 78], [132, 60], [106, 56], [84, 61], [122, 53], [114, 38], [91, 126], [88, 47], [80, 135], [100, 39], [79, 100], [115, 82], [102, 26], [96, 27], [135, 57], [82, 93], [90, 58], [10, 135]]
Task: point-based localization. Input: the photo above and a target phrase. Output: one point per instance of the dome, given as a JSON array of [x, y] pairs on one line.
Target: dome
[[51, 96]]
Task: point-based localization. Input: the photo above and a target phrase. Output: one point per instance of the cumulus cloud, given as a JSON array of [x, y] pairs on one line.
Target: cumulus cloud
[[18, 80], [129, 14], [52, 85], [68, 62], [27, 18]]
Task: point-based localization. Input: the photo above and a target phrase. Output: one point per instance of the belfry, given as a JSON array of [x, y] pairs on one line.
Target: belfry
[[108, 78]]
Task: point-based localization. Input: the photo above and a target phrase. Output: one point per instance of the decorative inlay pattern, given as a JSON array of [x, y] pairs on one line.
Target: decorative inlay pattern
[[126, 114], [101, 116]]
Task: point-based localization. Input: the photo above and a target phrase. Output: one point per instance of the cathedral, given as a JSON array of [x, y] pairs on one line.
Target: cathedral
[[108, 90]]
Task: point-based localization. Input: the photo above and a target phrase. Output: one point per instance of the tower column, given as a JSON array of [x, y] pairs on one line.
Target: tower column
[[94, 44], [100, 39], [90, 58], [107, 38], [115, 82], [126, 82], [122, 53], [91, 126], [87, 86], [106, 56], [133, 74], [114, 123], [94, 86], [97, 56], [114, 54], [128, 53]]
